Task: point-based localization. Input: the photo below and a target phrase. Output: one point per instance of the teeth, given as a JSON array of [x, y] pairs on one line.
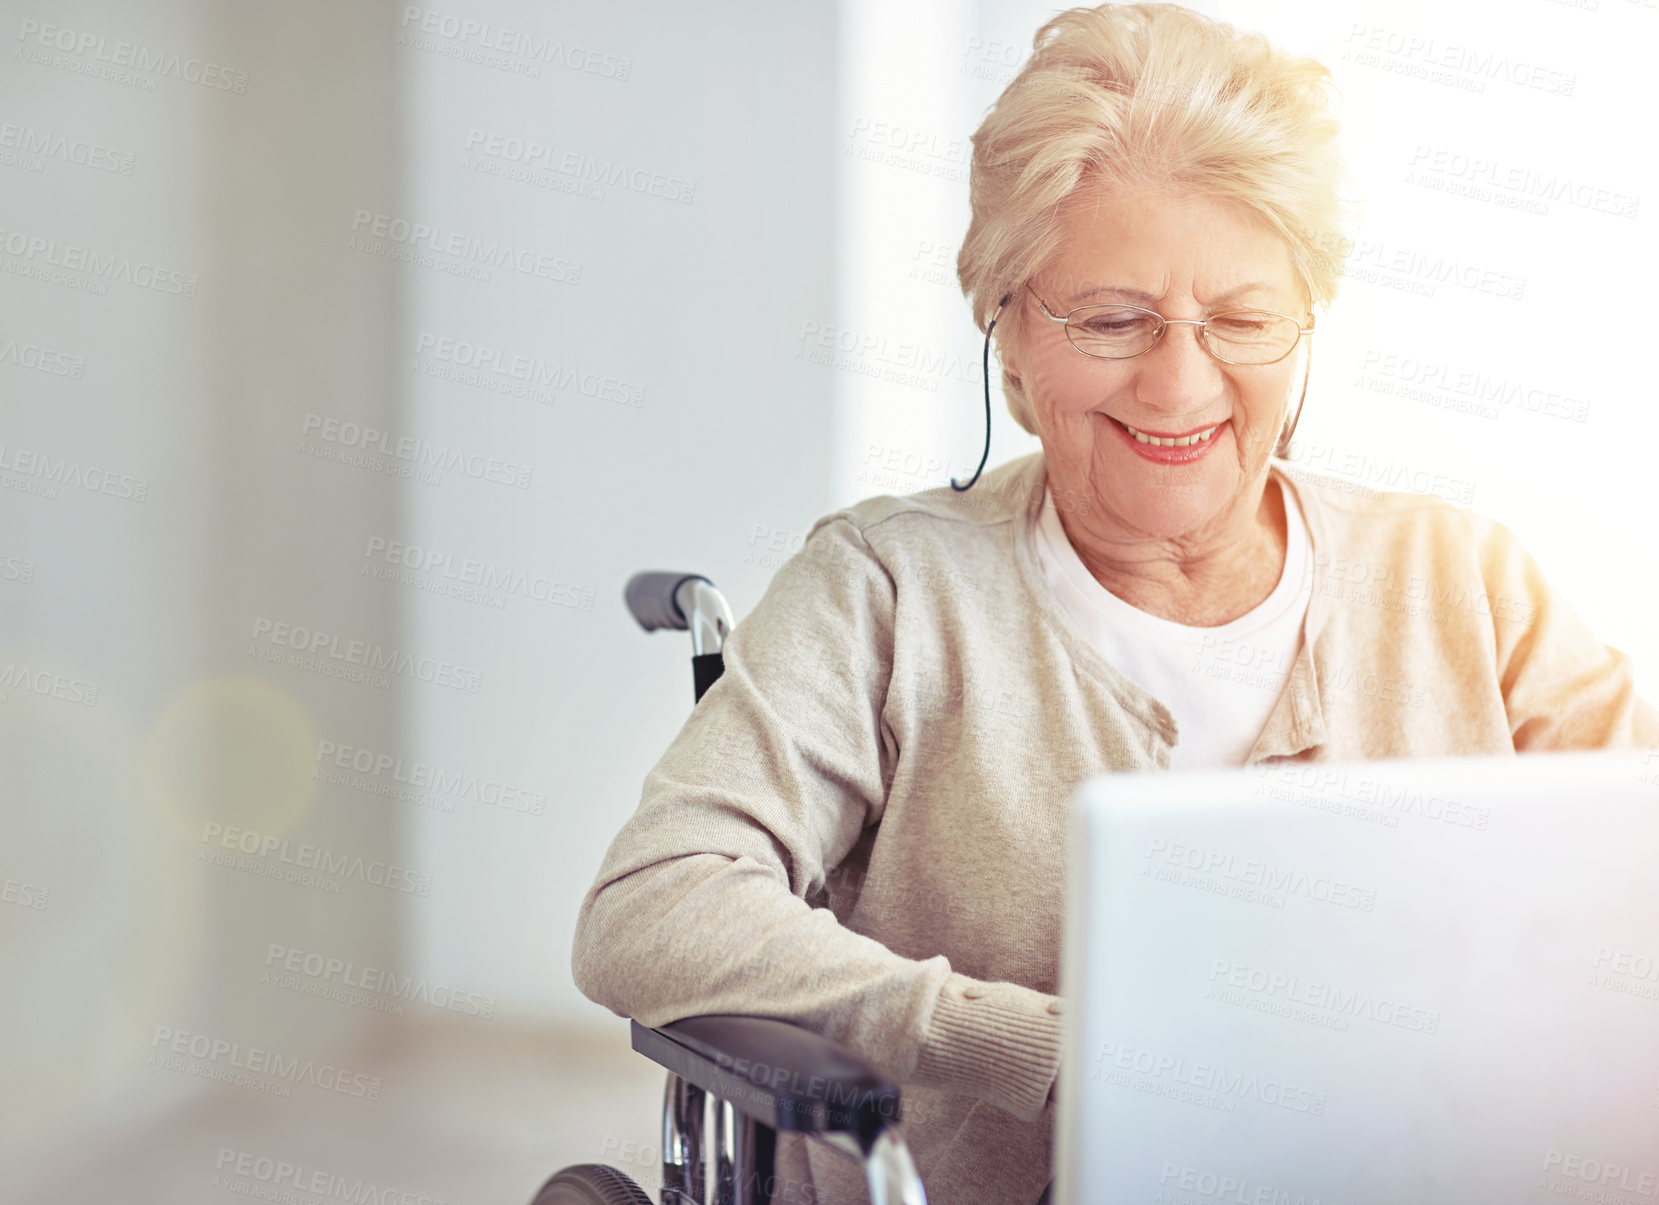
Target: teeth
[[1160, 441]]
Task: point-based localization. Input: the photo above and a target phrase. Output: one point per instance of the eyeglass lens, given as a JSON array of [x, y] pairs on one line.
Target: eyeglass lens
[[1120, 331]]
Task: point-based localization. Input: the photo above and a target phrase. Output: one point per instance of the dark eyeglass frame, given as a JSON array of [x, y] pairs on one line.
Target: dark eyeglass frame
[[1164, 324]]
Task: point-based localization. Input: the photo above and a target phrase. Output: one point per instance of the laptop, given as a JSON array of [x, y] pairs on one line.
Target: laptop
[[1416, 981]]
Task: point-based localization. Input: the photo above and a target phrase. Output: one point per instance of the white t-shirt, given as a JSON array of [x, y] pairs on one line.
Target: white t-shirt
[[1220, 683]]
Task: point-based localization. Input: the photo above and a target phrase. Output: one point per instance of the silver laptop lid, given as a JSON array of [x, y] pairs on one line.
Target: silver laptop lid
[[1407, 981]]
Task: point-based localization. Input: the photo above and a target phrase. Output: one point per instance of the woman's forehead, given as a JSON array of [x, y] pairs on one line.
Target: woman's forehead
[[1136, 246]]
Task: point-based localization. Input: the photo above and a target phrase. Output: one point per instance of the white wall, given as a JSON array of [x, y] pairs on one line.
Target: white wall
[[698, 197]]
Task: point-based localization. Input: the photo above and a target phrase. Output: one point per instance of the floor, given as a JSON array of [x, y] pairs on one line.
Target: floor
[[466, 1117]]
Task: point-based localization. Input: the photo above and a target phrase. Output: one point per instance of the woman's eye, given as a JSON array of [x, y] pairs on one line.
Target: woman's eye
[[1115, 324], [1239, 326]]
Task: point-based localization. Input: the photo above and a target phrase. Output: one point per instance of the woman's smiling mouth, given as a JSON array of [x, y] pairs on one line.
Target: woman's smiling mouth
[[1170, 448]]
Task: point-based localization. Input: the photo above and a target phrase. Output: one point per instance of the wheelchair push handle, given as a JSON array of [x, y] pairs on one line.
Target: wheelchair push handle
[[684, 602], [650, 597]]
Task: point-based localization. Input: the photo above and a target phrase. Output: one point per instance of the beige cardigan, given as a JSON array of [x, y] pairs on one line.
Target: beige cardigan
[[860, 828]]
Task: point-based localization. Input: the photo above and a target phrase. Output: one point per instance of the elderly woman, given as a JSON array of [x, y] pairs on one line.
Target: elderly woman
[[860, 827]]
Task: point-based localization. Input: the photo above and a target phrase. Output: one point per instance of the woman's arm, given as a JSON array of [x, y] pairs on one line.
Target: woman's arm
[[700, 905], [1563, 688]]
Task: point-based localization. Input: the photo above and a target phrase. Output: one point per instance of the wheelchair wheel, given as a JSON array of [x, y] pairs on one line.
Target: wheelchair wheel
[[590, 1184]]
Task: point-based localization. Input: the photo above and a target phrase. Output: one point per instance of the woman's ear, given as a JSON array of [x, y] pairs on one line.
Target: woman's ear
[[1010, 364]]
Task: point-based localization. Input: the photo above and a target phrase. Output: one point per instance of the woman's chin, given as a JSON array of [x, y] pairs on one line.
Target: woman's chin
[[1168, 512]]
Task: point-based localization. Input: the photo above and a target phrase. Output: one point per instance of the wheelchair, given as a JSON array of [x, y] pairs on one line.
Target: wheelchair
[[756, 1075]]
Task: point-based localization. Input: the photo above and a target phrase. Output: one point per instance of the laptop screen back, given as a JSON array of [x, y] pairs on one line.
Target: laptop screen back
[[1408, 981]]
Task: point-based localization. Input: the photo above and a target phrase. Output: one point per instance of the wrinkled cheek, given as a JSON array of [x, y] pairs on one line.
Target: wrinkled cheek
[[1254, 443], [1066, 424]]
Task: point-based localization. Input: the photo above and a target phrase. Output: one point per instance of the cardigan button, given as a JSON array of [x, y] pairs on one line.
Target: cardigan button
[[1054, 1007], [972, 993]]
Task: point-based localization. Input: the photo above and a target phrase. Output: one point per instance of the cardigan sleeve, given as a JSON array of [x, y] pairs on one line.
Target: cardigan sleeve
[[1562, 687], [701, 903]]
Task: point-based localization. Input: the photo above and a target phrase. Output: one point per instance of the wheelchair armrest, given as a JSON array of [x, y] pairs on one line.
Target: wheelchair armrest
[[776, 1072]]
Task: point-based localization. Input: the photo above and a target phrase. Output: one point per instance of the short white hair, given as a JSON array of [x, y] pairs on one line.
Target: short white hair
[[1151, 96]]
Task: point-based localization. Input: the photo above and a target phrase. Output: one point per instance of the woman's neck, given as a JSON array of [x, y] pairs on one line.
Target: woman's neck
[[1204, 590]]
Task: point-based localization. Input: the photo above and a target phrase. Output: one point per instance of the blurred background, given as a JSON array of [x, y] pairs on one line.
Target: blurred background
[[353, 355]]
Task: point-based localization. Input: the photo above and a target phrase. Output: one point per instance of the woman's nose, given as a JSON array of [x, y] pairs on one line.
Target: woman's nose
[[1178, 374]]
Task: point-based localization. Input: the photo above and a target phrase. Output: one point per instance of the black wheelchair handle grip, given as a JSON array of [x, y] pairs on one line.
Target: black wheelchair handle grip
[[650, 598]]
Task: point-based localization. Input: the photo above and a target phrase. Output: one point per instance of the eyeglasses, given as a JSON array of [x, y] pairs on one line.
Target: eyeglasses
[[1121, 332], [1246, 333]]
